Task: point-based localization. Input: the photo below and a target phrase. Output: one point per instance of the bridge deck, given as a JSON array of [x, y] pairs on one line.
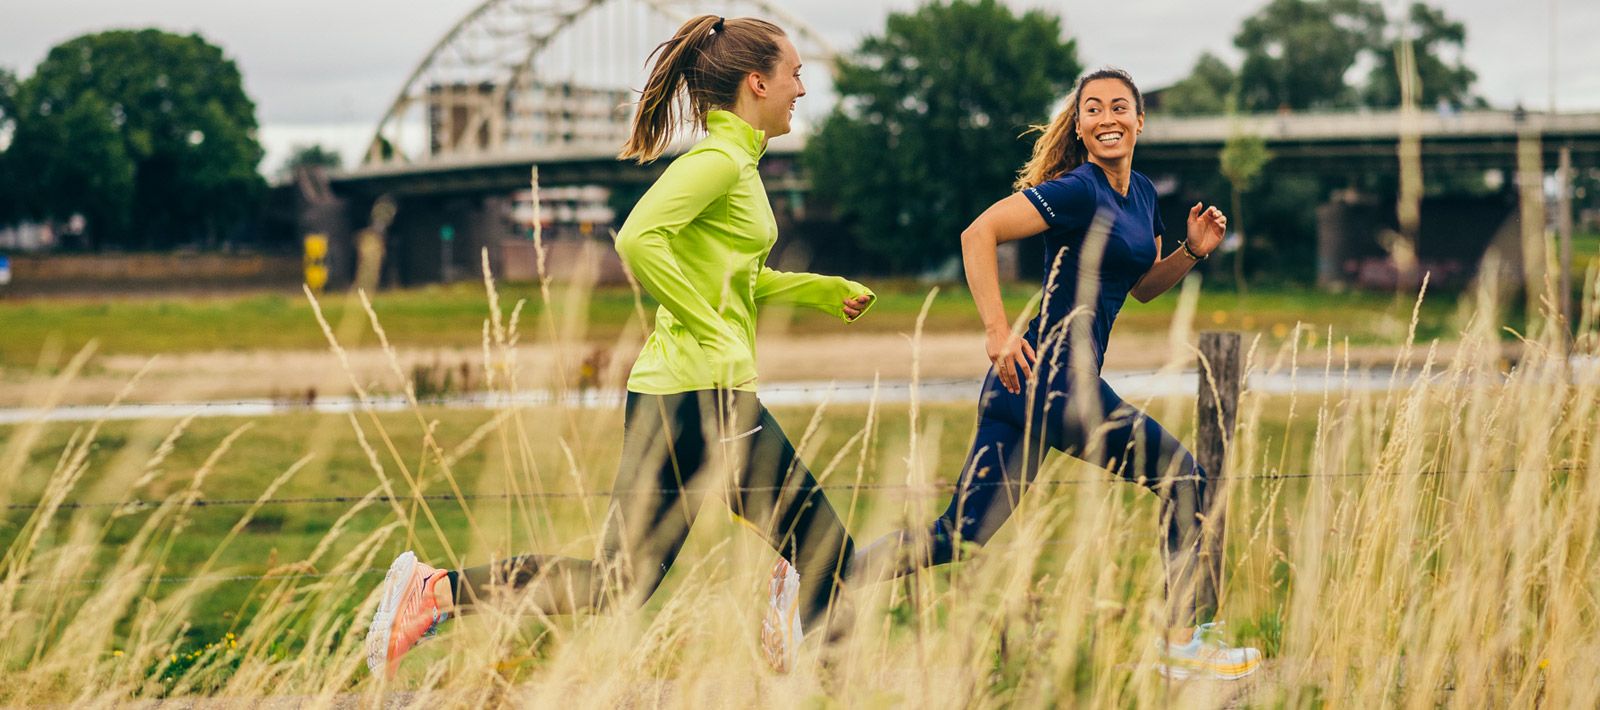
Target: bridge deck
[[1368, 126], [1360, 141]]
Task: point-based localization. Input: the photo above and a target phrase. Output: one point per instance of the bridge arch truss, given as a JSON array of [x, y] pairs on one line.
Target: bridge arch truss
[[516, 76]]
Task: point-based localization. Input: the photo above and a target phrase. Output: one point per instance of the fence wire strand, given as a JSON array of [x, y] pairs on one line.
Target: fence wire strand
[[923, 489], [136, 505]]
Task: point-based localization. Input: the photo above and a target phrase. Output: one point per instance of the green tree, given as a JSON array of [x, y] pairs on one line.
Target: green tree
[[1242, 158], [314, 155], [1208, 90], [8, 103], [71, 158], [1297, 52], [11, 198], [929, 128], [147, 134], [1433, 35]]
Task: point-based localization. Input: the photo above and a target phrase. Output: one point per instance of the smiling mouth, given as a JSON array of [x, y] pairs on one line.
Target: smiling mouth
[[1110, 138]]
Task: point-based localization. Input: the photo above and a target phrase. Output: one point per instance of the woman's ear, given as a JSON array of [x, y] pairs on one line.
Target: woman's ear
[[757, 84]]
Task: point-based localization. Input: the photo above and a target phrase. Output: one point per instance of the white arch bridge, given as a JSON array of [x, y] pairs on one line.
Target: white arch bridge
[[513, 84], [527, 76], [518, 83]]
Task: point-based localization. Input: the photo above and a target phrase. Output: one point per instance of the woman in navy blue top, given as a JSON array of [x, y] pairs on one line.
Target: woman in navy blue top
[[1103, 238]]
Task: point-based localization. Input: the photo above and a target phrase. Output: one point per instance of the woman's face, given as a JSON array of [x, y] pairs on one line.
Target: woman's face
[[783, 87], [1108, 120]]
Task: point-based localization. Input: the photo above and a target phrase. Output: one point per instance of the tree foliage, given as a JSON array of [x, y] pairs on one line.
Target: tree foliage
[[148, 134], [1242, 158], [1433, 36], [1312, 55], [11, 204], [928, 131], [1297, 52], [8, 105], [313, 155], [1208, 90]]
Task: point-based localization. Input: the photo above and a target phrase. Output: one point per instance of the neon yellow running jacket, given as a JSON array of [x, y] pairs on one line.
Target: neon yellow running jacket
[[698, 242]]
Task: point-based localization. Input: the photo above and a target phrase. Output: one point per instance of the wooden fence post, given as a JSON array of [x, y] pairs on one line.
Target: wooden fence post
[[1217, 409]]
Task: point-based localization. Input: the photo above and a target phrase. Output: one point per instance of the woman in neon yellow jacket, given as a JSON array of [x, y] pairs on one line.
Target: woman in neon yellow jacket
[[697, 242]]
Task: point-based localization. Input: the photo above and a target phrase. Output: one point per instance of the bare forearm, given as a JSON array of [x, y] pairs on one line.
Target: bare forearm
[[1165, 274], [1204, 229], [983, 277]]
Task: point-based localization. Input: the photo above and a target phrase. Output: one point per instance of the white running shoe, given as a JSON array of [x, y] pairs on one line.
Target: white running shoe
[[1206, 656], [780, 628]]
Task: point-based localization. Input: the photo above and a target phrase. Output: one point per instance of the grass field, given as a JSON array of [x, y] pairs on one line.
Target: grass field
[[453, 317], [339, 467], [1434, 544]]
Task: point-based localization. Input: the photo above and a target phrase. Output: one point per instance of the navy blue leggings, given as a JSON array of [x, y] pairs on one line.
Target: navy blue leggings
[[1006, 456]]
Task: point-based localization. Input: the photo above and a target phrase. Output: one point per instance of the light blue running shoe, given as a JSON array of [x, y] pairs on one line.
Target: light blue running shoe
[[1206, 656]]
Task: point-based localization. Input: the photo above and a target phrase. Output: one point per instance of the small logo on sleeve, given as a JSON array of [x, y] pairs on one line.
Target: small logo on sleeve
[[1039, 197]]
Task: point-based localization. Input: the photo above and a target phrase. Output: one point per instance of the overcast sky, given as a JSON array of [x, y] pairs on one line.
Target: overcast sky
[[325, 70]]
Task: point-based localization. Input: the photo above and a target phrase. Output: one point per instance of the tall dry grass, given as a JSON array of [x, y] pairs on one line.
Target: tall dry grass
[[1438, 546]]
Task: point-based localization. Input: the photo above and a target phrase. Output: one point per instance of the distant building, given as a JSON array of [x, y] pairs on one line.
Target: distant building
[[533, 114], [563, 113], [564, 212]]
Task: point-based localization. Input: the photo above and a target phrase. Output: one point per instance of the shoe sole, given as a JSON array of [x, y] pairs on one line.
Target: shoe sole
[[780, 629], [1181, 673], [378, 632]]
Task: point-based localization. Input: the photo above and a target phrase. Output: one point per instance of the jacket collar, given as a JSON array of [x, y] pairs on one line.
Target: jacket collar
[[728, 125]]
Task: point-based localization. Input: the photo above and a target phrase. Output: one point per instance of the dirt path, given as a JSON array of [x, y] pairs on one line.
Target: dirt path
[[299, 375]]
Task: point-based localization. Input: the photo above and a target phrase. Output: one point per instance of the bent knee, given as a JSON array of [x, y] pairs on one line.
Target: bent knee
[[971, 534]]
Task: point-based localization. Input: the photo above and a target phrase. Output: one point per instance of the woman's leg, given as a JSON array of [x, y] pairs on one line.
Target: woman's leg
[[778, 496], [1129, 443], [999, 467], [1120, 438], [658, 491]]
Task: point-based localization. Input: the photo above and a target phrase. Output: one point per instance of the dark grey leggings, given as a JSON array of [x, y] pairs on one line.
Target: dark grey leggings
[[676, 450], [1006, 455]]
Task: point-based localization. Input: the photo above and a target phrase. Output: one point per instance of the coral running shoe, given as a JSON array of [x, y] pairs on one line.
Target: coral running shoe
[[1206, 656], [407, 612], [780, 628]]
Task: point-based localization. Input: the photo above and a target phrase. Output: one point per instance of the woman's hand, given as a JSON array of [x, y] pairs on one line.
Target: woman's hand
[[1206, 227], [856, 305], [1010, 354]]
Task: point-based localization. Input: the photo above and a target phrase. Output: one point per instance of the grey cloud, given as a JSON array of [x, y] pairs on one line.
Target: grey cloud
[[342, 60]]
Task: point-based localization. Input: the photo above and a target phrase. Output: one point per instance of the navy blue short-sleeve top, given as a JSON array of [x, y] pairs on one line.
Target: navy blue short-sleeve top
[[1070, 205]]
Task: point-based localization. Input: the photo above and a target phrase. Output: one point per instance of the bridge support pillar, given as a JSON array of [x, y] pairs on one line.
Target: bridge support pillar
[[318, 211], [1343, 222], [439, 240]]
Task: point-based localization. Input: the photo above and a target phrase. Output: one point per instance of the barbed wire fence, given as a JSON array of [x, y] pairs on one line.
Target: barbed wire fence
[[908, 489], [1220, 382]]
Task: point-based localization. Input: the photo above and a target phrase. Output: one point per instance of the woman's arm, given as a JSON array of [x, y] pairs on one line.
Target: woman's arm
[[1206, 225], [831, 294], [1008, 220], [683, 191]]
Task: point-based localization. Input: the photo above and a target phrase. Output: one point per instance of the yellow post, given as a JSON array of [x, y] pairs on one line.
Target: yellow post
[[316, 262]]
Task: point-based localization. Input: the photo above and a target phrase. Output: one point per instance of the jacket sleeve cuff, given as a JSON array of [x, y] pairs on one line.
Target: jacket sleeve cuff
[[851, 289]]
